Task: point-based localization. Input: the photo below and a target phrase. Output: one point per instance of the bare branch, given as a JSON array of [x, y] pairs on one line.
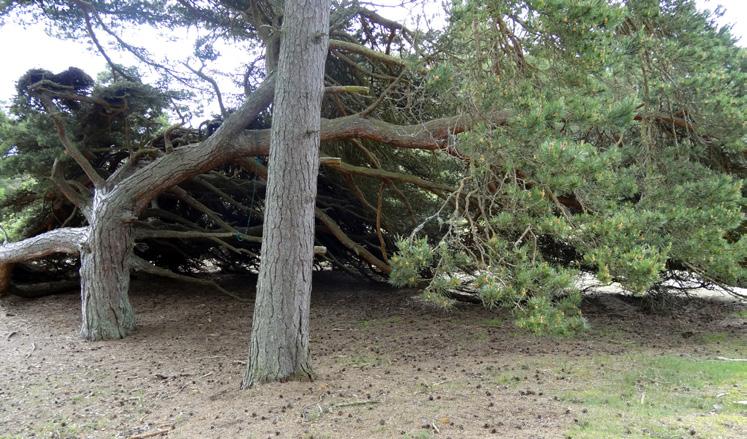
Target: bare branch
[[336, 163], [197, 205], [70, 147], [379, 233], [115, 68], [335, 89], [140, 264], [62, 240], [261, 171], [365, 51], [223, 194], [202, 75], [345, 240], [192, 234], [383, 96]]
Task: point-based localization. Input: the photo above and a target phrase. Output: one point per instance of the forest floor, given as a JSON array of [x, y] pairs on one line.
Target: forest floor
[[388, 367]]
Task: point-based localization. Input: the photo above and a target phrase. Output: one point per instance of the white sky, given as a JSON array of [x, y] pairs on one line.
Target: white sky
[[27, 48]]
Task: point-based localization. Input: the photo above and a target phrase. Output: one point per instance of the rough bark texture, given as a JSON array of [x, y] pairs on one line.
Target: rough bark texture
[[62, 240], [105, 273], [279, 347]]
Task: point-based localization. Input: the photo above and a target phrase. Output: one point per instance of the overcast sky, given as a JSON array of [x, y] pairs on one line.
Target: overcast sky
[[28, 48]]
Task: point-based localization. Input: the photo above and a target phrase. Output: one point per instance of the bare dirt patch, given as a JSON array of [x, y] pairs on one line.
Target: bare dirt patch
[[387, 366]]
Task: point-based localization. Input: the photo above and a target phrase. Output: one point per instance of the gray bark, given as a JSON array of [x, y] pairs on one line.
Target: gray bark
[[105, 272], [279, 348], [62, 240]]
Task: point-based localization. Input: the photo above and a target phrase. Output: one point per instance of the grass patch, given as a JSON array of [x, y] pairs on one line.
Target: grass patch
[[723, 344], [713, 337], [496, 322], [361, 361], [664, 397], [509, 379]]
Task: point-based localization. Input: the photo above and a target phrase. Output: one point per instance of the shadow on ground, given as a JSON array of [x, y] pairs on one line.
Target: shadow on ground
[[387, 366]]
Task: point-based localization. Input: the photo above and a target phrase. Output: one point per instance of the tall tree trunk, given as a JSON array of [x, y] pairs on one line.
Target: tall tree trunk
[[105, 273], [279, 348]]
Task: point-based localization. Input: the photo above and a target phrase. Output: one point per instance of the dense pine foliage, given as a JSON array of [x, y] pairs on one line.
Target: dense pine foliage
[[623, 156]]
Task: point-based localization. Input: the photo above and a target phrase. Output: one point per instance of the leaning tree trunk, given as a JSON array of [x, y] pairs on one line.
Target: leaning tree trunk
[[105, 273], [279, 348]]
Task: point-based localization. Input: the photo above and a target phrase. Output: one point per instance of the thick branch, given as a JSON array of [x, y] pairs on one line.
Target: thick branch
[[186, 162], [231, 141], [41, 289], [365, 51], [336, 89], [432, 135], [385, 175], [62, 240], [667, 120]]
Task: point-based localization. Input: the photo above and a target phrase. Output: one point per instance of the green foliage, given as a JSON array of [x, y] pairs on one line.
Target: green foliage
[[106, 120], [541, 316], [413, 257], [626, 244], [623, 155]]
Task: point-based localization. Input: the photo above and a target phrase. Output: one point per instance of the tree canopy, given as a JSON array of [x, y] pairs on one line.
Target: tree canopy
[[525, 143]]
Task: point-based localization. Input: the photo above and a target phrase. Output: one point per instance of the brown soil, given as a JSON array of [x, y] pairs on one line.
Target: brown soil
[[387, 366]]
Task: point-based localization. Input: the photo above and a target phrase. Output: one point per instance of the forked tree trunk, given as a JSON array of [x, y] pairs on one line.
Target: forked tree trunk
[[279, 348], [105, 274]]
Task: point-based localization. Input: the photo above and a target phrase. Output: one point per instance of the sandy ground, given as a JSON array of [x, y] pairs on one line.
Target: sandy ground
[[387, 366]]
